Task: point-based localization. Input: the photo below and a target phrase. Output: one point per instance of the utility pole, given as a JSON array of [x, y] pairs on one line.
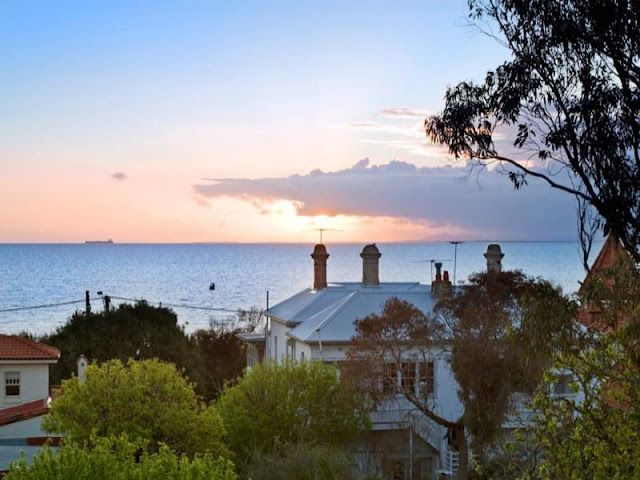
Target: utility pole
[[455, 261], [87, 309]]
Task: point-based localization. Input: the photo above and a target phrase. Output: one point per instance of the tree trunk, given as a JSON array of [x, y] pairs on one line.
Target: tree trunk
[[463, 452]]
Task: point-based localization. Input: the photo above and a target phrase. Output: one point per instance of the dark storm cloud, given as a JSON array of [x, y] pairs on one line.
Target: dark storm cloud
[[486, 205]]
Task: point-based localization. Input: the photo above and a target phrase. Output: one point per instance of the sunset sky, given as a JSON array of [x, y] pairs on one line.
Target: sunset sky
[[248, 121]]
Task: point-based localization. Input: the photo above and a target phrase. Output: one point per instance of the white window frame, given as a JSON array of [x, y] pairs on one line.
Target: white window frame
[[11, 379]]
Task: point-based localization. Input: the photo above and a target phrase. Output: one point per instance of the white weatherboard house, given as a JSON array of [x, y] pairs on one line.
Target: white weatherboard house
[[318, 324], [24, 393]]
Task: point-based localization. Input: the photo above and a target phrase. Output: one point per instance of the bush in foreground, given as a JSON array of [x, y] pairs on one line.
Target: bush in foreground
[[119, 459], [289, 404], [302, 462], [147, 400]]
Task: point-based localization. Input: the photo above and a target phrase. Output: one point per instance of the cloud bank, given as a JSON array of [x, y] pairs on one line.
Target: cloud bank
[[485, 206]]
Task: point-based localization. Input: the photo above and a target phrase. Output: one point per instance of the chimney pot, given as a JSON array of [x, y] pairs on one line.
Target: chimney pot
[[445, 276]]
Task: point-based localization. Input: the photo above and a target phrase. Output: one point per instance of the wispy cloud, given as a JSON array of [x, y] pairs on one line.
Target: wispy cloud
[[401, 130], [404, 113], [119, 176], [435, 196]]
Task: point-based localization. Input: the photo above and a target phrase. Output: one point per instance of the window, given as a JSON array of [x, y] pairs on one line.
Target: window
[[12, 384], [252, 355], [389, 379], [408, 372], [562, 386], [427, 378]]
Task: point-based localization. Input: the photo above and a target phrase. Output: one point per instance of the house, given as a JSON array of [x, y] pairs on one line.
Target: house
[[24, 373], [612, 250], [317, 324]]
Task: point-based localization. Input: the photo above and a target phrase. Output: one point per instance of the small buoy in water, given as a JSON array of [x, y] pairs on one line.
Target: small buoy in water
[[212, 286]]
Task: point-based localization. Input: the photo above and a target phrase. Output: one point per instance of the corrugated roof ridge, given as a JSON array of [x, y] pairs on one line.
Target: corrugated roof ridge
[[329, 307], [388, 288], [341, 307], [319, 294]]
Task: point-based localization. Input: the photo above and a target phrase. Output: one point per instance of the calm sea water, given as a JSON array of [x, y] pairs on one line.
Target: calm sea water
[[180, 274]]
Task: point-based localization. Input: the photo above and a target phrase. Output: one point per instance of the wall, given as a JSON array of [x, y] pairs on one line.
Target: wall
[[34, 382]]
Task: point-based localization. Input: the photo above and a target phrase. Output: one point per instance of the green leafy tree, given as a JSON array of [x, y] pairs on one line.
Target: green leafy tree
[[148, 400], [129, 331], [118, 459], [222, 352], [277, 405], [596, 432], [567, 99]]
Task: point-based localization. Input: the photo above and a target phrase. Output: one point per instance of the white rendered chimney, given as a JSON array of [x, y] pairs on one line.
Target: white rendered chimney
[[494, 258], [370, 256]]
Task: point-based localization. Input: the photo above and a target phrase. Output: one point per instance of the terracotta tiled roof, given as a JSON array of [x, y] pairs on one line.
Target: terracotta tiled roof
[[19, 348], [24, 411], [605, 259]]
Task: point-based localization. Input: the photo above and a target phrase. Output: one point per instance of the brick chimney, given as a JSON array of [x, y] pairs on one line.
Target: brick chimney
[[319, 256], [370, 256], [494, 258], [441, 285]]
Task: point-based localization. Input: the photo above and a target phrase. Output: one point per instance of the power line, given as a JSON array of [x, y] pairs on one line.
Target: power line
[[47, 305], [72, 302], [175, 305]]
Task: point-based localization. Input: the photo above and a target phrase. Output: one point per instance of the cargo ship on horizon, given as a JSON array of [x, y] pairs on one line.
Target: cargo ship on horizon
[[109, 240]]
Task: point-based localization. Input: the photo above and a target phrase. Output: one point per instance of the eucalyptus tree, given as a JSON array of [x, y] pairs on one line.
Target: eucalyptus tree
[[567, 99]]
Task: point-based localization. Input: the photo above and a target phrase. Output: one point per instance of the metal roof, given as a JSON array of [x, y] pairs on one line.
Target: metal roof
[[328, 314]]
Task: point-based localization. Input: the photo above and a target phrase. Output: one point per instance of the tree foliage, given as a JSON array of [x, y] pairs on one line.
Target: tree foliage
[[302, 462], [222, 352], [129, 331], [504, 327], [596, 432], [148, 400], [501, 330], [381, 347], [274, 406], [568, 98], [118, 459]]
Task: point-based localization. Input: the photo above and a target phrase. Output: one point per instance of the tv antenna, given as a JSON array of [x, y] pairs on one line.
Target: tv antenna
[[325, 230], [455, 260]]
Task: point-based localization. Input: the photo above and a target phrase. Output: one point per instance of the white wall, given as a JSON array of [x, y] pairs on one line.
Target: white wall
[[278, 331], [34, 382]]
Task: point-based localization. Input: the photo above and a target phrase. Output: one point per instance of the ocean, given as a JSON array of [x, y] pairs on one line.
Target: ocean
[[178, 275]]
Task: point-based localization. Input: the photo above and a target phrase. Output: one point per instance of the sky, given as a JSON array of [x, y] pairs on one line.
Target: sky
[[252, 121]]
